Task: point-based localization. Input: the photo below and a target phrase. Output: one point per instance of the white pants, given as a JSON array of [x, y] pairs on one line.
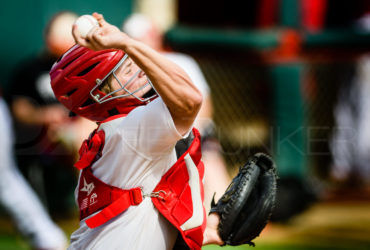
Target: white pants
[[19, 199]]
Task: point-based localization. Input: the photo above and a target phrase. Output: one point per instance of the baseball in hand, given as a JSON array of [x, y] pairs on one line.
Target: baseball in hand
[[85, 23]]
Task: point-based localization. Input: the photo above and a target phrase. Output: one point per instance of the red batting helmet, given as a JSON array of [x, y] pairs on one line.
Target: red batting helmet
[[77, 75]]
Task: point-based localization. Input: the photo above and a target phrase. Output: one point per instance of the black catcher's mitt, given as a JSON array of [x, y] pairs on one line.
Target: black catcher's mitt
[[247, 204]]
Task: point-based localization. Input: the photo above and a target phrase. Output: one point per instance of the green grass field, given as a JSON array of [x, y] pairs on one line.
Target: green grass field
[[326, 225]]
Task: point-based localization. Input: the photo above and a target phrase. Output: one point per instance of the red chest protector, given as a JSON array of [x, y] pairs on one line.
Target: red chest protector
[[178, 196]]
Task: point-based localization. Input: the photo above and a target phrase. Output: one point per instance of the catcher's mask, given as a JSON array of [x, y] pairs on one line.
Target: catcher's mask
[[77, 78]]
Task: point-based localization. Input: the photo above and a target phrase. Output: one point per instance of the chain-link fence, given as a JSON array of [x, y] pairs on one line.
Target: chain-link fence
[[244, 97]]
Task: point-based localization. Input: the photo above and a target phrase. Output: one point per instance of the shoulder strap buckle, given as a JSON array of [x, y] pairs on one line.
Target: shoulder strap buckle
[[156, 194]]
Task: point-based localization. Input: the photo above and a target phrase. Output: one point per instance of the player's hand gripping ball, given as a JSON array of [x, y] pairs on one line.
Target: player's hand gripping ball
[[86, 23]]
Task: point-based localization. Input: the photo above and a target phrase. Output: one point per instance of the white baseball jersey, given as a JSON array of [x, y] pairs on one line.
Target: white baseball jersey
[[138, 150], [191, 67]]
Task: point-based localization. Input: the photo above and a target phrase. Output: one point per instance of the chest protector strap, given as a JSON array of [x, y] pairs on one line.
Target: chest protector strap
[[178, 196], [95, 195]]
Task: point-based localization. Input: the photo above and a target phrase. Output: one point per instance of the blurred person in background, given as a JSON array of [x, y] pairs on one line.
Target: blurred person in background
[[47, 139], [350, 142], [19, 200], [142, 28]]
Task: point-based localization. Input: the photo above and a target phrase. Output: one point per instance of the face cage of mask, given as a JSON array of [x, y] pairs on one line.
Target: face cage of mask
[[109, 96]]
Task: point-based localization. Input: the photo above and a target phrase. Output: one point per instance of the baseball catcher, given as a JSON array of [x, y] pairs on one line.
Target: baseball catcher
[[136, 190], [247, 204]]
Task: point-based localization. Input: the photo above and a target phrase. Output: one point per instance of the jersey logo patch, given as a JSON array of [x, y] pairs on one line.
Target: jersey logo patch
[[88, 187]]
